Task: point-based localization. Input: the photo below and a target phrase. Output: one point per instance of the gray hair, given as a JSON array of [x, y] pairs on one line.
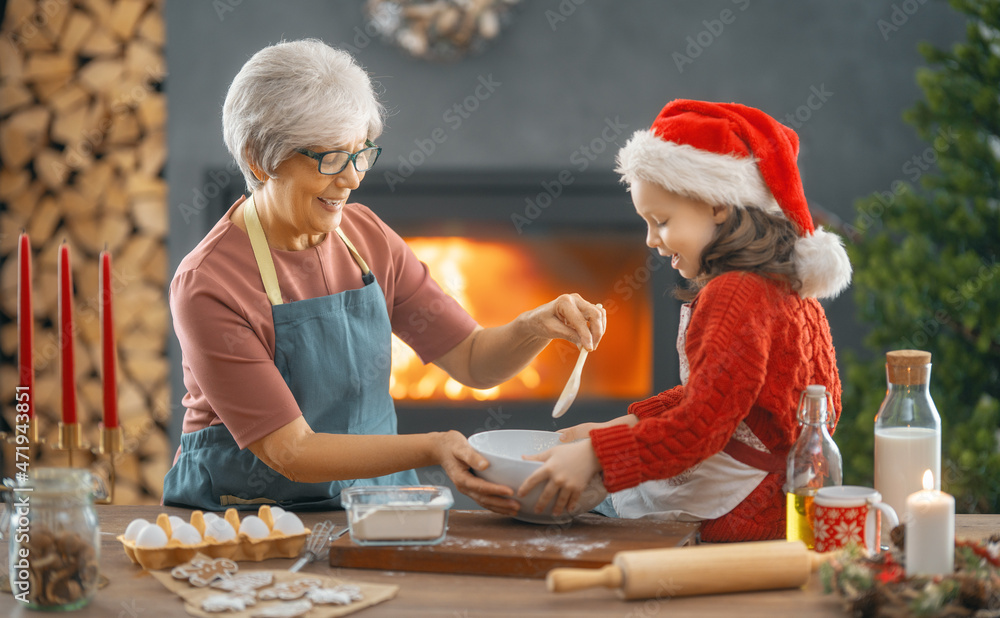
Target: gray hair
[[292, 95]]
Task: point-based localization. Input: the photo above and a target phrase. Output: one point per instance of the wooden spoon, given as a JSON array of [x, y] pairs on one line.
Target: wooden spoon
[[572, 387]]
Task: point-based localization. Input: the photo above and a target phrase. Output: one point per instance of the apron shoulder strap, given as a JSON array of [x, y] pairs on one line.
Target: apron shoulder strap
[[354, 253], [261, 252], [746, 454]]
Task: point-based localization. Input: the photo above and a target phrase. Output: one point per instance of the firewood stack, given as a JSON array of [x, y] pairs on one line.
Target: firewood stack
[[83, 146]]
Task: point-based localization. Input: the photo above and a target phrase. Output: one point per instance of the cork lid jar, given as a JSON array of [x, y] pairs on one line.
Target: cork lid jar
[[908, 367]]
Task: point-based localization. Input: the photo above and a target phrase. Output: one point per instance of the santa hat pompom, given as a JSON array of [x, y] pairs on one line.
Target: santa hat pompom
[[821, 264]]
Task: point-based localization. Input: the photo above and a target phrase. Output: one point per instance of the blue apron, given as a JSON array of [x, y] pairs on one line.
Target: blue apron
[[333, 352]]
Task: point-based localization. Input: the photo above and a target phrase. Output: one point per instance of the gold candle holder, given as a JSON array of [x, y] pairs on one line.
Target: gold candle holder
[[32, 433], [20, 446], [111, 444], [111, 441], [70, 439]]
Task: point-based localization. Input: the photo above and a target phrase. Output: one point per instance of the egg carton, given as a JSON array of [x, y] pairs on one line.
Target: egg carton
[[242, 548]]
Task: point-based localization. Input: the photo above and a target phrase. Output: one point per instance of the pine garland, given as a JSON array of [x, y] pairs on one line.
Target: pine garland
[[877, 586]]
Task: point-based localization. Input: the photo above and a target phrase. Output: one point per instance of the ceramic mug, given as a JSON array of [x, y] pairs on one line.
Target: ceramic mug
[[849, 514]]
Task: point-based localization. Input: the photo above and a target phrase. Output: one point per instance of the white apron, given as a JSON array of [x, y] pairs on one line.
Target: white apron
[[706, 490]]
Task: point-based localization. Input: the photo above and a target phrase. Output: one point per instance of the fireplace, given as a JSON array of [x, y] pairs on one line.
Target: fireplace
[[502, 243], [497, 277]]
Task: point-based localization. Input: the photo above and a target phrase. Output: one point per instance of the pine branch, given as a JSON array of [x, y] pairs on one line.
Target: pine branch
[[971, 336]]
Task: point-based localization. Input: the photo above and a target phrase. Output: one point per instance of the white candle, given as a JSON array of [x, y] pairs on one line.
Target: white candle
[[930, 531]]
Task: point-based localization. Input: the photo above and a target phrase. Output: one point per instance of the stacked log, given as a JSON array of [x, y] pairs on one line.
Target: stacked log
[[83, 147]]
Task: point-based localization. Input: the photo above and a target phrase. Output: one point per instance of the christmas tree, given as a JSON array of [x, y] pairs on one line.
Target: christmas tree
[[926, 256]]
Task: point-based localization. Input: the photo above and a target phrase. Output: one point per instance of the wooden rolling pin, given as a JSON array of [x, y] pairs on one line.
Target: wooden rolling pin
[[699, 569]]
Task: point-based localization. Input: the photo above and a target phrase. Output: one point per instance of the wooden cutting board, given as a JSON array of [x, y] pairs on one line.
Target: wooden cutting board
[[485, 543]]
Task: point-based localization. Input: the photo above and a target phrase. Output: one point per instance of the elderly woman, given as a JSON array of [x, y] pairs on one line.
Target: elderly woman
[[284, 311]]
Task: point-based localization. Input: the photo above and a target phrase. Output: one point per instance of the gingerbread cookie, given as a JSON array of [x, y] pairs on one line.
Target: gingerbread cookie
[[344, 594], [228, 602], [201, 572], [247, 582], [287, 591], [290, 609]]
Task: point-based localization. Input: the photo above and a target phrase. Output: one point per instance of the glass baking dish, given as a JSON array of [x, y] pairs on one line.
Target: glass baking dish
[[397, 515]]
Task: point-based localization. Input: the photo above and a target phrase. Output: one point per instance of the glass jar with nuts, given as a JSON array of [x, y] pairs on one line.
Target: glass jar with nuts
[[54, 538]]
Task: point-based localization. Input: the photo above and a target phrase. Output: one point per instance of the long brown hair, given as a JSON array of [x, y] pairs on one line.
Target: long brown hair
[[749, 240]]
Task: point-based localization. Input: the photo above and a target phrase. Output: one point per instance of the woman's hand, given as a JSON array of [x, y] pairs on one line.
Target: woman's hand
[[566, 473], [582, 431], [491, 356], [568, 317], [455, 456]]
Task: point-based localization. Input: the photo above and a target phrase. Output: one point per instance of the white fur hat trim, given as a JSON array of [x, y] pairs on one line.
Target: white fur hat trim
[[696, 173]]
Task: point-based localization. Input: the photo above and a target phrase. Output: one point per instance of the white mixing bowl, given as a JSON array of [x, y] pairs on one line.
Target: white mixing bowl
[[504, 448]]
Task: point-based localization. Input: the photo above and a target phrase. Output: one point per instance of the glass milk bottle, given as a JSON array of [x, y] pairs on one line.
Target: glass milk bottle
[[813, 462], [907, 430]]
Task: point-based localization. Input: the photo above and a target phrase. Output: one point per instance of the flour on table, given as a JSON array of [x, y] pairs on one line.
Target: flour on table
[[570, 547], [474, 543]]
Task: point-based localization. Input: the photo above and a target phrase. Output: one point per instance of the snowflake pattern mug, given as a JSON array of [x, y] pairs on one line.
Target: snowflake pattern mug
[[847, 514]]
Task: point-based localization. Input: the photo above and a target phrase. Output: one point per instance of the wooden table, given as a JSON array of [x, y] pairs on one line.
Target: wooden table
[[133, 593]]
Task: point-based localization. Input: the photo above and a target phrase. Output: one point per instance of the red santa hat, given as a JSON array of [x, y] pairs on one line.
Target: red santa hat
[[731, 154]]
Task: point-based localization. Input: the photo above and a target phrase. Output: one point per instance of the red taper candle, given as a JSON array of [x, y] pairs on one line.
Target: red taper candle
[[108, 344], [25, 321], [65, 301]]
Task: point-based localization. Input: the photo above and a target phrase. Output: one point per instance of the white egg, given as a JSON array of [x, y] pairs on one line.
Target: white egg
[[210, 517], [254, 527], [277, 511], [151, 536], [175, 521], [134, 528], [220, 530], [289, 523], [186, 534]]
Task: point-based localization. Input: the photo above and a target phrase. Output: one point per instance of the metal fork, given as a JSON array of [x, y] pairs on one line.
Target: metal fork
[[317, 545]]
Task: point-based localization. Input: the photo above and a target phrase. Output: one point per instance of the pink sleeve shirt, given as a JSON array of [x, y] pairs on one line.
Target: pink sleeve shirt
[[222, 317]]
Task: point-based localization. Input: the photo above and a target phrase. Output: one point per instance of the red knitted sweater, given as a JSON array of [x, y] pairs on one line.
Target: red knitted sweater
[[753, 346]]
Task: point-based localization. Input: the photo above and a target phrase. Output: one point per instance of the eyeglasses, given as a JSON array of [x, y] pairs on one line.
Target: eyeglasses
[[333, 162]]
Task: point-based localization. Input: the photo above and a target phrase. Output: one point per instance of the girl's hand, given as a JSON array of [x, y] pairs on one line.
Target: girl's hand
[[579, 432], [568, 317], [455, 456], [582, 431], [566, 473]]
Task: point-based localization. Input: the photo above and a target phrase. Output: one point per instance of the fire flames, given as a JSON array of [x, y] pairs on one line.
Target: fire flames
[[497, 280]]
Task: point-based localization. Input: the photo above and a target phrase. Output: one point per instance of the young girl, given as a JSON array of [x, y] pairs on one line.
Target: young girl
[[718, 187]]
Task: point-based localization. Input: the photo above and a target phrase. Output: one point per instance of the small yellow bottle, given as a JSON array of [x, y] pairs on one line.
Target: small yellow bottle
[[798, 510], [813, 462]]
